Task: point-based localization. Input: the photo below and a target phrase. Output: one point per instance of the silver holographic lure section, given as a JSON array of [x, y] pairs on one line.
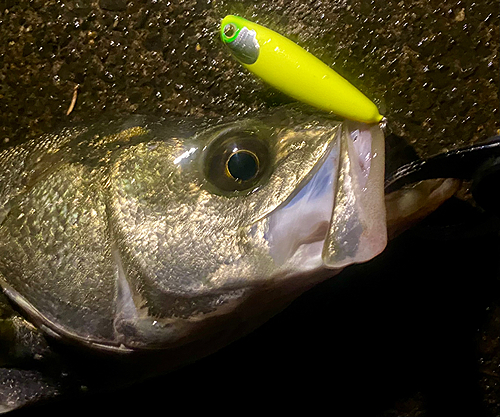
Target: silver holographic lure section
[[245, 47]]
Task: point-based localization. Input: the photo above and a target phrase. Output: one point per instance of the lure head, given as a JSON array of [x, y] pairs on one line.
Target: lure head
[[241, 39]]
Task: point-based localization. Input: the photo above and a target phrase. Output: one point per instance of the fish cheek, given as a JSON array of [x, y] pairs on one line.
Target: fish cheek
[[172, 235], [187, 251]]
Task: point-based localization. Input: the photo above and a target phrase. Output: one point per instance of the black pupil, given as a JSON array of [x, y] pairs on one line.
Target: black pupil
[[242, 166]]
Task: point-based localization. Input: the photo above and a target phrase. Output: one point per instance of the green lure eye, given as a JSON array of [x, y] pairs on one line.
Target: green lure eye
[[230, 32], [242, 165]]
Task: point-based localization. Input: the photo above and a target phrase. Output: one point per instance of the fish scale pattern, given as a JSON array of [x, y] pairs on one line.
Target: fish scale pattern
[[40, 258]]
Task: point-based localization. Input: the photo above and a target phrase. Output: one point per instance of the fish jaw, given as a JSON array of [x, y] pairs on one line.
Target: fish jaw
[[338, 216]]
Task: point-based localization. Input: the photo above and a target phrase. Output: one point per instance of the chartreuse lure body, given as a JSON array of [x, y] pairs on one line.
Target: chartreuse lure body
[[294, 71]]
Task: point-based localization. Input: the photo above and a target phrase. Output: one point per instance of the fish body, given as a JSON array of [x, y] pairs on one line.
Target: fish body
[[294, 71]]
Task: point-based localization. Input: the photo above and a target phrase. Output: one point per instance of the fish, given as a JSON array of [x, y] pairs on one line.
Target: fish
[[135, 238], [140, 245], [291, 69], [159, 236]]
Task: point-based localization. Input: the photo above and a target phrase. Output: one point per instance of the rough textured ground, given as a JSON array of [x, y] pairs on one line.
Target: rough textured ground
[[431, 66]]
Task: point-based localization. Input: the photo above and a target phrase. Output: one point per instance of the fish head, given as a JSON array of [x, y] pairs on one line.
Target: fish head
[[212, 224], [190, 233]]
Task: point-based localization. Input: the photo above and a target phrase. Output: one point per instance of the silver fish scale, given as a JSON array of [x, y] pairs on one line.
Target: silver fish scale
[[64, 208]]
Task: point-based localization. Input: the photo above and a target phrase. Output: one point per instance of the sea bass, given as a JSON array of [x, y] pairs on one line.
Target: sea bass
[[130, 248], [153, 235]]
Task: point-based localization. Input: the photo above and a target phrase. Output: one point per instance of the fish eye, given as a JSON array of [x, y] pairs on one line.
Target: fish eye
[[230, 30], [237, 162]]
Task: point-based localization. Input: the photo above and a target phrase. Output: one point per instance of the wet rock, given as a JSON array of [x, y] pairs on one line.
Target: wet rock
[[388, 49], [113, 5]]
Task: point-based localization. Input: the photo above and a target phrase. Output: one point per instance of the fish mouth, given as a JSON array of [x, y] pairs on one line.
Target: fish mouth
[[337, 215]]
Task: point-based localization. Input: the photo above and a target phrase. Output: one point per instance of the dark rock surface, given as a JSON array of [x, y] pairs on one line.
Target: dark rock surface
[[431, 66]]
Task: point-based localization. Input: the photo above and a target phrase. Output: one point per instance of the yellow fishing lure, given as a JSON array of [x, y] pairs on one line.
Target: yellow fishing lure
[[294, 71]]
